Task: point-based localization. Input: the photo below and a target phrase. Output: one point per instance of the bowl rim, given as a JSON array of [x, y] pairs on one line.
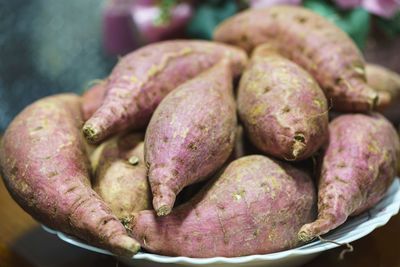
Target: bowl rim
[[354, 228]]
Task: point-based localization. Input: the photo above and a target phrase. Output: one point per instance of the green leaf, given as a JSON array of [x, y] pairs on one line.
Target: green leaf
[[390, 26], [355, 22], [208, 14]]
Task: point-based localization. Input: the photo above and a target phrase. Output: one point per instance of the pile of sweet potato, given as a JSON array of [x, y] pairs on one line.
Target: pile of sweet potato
[[201, 148]]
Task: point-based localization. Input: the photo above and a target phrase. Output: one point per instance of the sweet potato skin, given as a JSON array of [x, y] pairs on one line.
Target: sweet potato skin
[[358, 166], [311, 41], [242, 147], [92, 99], [190, 135], [255, 206], [45, 168], [284, 111], [120, 177], [141, 79]]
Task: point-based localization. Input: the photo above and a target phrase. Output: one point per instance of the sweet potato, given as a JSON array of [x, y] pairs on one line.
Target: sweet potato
[[45, 168], [383, 79], [284, 111], [190, 135], [359, 165], [255, 206], [92, 99], [314, 43], [386, 81], [141, 79], [120, 177]]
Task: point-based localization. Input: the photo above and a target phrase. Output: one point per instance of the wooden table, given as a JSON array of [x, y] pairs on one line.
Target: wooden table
[[24, 243]]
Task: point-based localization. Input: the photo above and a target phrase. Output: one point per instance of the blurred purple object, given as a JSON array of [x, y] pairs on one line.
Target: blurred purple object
[[383, 8], [268, 3], [145, 17], [348, 3], [128, 24], [119, 32]]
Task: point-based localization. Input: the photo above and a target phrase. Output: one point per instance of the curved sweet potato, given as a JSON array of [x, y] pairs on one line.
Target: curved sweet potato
[[284, 111], [314, 43], [190, 135], [255, 206], [359, 165], [45, 168], [141, 79]]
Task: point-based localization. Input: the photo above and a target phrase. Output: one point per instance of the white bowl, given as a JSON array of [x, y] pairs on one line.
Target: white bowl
[[353, 229]]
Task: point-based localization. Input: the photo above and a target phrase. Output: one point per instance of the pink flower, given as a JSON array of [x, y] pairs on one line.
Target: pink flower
[[383, 8], [268, 3]]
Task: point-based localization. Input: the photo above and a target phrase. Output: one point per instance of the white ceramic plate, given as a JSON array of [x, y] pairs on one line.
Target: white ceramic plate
[[353, 229]]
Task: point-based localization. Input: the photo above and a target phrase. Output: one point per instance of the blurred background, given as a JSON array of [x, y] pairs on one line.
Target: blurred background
[[49, 47]]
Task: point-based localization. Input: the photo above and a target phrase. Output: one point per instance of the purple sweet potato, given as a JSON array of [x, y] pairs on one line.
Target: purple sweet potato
[[190, 135], [256, 206], [141, 79], [283, 110], [358, 166], [45, 168], [314, 43], [92, 99], [120, 177]]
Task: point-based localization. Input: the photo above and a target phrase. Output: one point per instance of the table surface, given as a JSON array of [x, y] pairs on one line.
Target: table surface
[[24, 243]]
